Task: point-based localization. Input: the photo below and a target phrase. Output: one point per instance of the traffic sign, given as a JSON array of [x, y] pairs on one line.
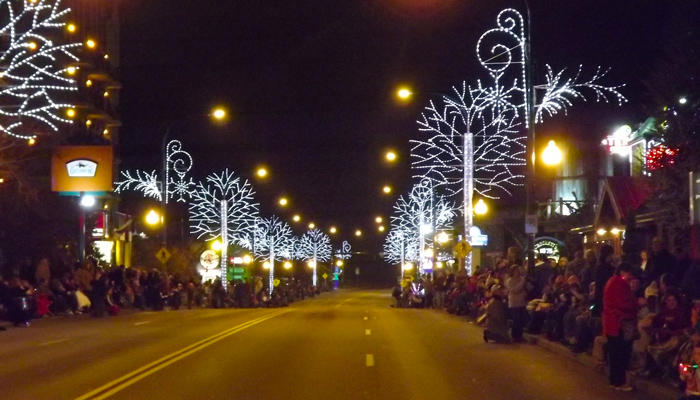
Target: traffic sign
[[163, 255], [462, 249], [325, 276], [531, 224]]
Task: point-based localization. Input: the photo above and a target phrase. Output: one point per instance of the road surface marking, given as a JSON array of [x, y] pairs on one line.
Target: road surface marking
[[369, 360], [366, 318], [342, 302], [368, 332], [129, 379], [53, 342], [142, 323]]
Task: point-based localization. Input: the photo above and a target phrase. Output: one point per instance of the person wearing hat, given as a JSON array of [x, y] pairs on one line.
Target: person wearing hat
[[496, 317]]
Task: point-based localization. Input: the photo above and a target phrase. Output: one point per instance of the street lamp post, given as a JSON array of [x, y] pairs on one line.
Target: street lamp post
[[530, 156]]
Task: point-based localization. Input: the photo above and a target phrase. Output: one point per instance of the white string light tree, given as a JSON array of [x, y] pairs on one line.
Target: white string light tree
[[314, 247], [400, 247], [34, 70], [476, 138], [274, 241], [224, 208], [178, 185], [421, 213], [344, 253]]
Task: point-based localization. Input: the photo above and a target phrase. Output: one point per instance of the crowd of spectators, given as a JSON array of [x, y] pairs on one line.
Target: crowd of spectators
[[100, 292], [639, 317]]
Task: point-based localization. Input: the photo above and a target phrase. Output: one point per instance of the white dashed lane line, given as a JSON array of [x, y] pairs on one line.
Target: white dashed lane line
[[368, 332], [142, 323], [53, 342], [369, 360]]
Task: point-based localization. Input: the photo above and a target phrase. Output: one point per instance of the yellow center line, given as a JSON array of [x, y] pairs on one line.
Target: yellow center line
[[344, 301], [138, 374]]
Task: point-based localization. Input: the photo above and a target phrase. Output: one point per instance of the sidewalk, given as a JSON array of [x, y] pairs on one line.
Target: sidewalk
[[655, 389]]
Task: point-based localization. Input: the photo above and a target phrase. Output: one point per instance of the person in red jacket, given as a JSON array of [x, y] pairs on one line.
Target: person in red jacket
[[619, 304]]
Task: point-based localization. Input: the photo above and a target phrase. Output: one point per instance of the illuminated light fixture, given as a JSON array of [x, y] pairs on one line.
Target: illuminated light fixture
[[283, 201], [32, 45], [266, 265], [403, 93], [614, 231], [407, 266], [358, 233], [442, 237], [106, 94], [381, 228], [312, 225], [88, 83], [386, 189], [91, 44], [216, 245], [219, 113], [601, 232], [71, 28], [312, 264], [682, 100], [339, 263], [296, 218], [105, 132], [31, 141], [152, 217], [87, 201], [428, 253], [391, 156], [71, 70], [106, 56], [261, 172], [287, 265], [378, 220], [88, 122], [480, 208], [333, 229], [2, 180], [551, 154], [438, 265], [70, 113], [247, 259], [106, 207]]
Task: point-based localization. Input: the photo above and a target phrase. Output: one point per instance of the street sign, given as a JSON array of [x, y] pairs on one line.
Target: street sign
[[462, 249], [163, 255], [531, 224], [325, 276], [276, 282]]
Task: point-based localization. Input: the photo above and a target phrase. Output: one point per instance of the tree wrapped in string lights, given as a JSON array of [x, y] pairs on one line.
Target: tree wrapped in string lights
[[476, 139], [420, 213], [34, 70], [179, 186], [314, 247], [224, 208], [273, 241], [400, 247]]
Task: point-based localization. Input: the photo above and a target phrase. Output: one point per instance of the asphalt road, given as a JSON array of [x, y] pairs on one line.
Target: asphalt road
[[345, 345]]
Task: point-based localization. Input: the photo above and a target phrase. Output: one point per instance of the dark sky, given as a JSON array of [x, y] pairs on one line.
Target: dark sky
[[309, 84]]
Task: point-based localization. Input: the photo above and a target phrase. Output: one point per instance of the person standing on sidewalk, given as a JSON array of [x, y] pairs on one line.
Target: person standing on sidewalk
[[517, 301], [619, 310]]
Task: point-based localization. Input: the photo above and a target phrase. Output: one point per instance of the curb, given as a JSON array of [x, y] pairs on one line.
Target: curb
[[655, 389]]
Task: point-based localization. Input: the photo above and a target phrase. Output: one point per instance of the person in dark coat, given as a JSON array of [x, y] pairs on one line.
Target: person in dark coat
[[100, 287], [603, 272], [620, 304], [661, 260]]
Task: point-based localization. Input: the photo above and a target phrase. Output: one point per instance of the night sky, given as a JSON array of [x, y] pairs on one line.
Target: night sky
[[309, 85]]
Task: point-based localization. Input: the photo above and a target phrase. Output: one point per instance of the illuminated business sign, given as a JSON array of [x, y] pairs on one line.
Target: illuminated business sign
[[549, 247], [77, 170], [619, 141], [478, 239]]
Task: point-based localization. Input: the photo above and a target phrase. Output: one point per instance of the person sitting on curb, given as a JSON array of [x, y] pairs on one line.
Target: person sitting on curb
[[496, 317]]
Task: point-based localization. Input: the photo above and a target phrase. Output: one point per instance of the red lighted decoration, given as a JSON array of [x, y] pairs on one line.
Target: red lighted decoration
[[660, 156]]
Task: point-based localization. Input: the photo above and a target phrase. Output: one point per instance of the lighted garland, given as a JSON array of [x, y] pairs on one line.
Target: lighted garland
[[314, 246], [274, 242], [34, 70]]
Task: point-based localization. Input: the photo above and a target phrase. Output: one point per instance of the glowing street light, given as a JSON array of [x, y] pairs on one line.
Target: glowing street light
[[296, 218], [442, 237], [261, 172], [219, 113], [480, 208], [390, 156], [407, 266], [152, 218], [283, 201], [682, 100], [333, 229], [216, 245], [312, 226], [312, 264], [404, 93], [339, 263], [71, 28], [379, 220], [552, 154], [358, 233], [381, 228], [287, 265], [87, 201], [386, 189], [247, 259], [91, 44], [266, 265]]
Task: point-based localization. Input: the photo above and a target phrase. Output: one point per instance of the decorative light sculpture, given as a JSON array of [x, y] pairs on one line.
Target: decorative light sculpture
[[315, 246], [179, 185], [224, 208], [274, 241], [343, 253], [476, 137], [423, 211], [34, 69], [401, 246]]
